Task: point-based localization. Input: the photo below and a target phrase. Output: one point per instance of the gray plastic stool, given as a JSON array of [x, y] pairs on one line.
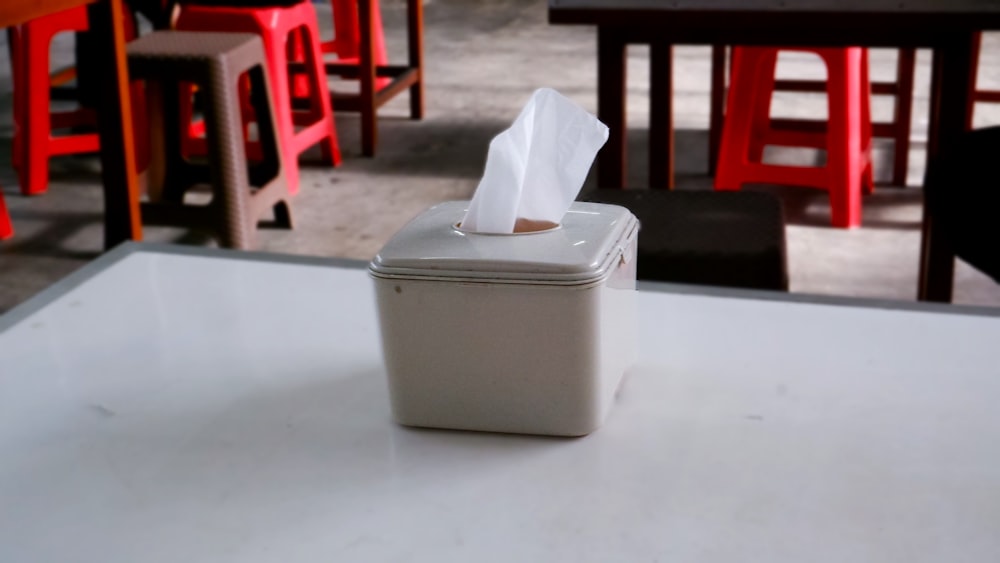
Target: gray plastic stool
[[734, 239], [242, 192]]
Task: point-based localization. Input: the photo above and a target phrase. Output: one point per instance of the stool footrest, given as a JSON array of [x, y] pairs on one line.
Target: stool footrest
[[352, 102], [352, 71]]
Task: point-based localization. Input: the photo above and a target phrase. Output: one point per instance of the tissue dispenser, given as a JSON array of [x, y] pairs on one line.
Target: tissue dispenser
[[525, 333]]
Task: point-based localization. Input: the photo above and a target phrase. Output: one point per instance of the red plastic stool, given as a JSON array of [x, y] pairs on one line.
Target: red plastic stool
[[279, 28], [34, 140], [346, 43], [846, 136], [6, 227]]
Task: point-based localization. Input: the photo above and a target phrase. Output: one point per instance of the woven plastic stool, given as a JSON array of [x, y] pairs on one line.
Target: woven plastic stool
[[734, 239], [241, 192]]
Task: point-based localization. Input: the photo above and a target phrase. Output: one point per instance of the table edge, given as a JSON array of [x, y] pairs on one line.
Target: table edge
[[83, 274], [80, 276], [817, 299]]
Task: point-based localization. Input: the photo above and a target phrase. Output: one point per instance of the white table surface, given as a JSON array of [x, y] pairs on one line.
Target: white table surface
[[183, 406]]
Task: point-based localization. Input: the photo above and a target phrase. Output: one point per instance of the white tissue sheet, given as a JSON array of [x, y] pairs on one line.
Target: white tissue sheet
[[535, 169]]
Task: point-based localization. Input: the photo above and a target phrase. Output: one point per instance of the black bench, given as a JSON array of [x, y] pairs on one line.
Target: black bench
[[734, 239]]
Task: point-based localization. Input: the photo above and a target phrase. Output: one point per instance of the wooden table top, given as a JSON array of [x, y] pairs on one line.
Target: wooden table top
[[886, 15], [852, 6]]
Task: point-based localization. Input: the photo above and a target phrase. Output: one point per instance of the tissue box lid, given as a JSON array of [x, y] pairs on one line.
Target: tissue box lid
[[591, 240]]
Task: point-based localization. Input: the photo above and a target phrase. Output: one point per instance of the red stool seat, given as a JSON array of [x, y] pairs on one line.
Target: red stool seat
[[299, 128], [846, 137]]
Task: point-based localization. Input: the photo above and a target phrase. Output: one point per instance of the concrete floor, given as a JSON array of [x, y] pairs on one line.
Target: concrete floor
[[483, 60]]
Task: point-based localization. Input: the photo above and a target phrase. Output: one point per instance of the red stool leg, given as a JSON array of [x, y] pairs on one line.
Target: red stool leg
[[35, 142], [868, 174], [345, 30], [762, 105], [35, 119], [300, 80], [275, 35], [6, 227], [734, 147], [319, 99], [844, 152], [300, 21], [14, 51]]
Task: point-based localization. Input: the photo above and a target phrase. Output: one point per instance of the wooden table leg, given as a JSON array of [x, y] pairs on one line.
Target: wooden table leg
[[122, 220], [977, 47], [905, 70], [717, 101], [415, 39], [661, 115], [951, 84], [611, 61], [366, 71]]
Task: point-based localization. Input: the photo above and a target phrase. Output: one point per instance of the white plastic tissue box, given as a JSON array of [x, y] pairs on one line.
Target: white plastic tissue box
[[526, 332]]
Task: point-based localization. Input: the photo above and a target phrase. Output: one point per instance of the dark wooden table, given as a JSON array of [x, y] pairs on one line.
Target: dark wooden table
[[121, 185], [945, 26]]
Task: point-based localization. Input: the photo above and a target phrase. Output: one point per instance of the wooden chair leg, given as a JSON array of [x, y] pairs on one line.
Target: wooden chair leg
[[661, 119], [122, 219], [977, 46], [366, 68], [611, 79], [415, 38]]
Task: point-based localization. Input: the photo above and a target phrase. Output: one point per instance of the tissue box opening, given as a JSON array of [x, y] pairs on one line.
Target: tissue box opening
[[521, 227]]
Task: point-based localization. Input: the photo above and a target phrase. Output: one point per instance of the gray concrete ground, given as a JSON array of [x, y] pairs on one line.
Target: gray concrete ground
[[483, 60]]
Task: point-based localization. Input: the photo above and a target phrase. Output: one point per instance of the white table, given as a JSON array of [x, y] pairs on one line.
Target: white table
[[184, 405]]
